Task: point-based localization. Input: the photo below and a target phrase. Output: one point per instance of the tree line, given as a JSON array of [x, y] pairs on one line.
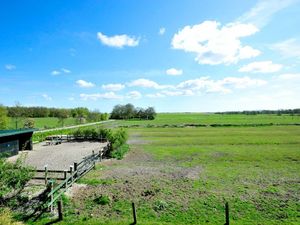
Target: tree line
[[129, 111], [256, 112], [21, 114]]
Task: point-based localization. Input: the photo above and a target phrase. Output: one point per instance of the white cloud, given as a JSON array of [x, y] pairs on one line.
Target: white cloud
[[261, 67], [71, 98], [65, 70], [215, 44], [162, 31], [145, 83], [289, 76], [262, 12], [58, 72], [178, 93], [288, 48], [174, 72], [84, 84], [94, 97], [118, 41], [47, 97], [113, 87], [55, 72], [134, 95], [156, 95], [10, 67]]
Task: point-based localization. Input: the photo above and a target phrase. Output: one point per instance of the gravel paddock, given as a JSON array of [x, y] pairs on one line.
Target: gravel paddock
[[58, 157]]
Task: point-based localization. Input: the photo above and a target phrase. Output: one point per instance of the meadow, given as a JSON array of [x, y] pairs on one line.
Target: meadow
[[210, 118], [185, 175], [45, 122]]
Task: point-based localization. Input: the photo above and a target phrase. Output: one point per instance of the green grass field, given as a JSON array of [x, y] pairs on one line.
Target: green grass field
[[202, 118], [185, 175], [42, 123]]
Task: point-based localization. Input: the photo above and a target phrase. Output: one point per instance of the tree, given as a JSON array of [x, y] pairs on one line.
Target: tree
[[29, 123], [17, 113], [62, 115], [3, 117]]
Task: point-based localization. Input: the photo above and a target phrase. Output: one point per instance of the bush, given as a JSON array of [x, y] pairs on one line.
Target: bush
[[13, 176], [6, 218], [120, 152]]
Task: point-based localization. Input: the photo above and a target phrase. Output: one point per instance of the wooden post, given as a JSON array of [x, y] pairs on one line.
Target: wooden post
[[100, 155], [60, 210], [134, 213], [226, 213], [71, 174], [65, 177], [51, 189], [46, 175]]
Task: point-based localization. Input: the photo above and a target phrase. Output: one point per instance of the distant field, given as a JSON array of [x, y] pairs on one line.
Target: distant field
[[201, 118], [47, 122], [185, 175]]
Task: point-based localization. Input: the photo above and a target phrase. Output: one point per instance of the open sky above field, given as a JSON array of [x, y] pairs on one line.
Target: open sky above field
[[177, 56]]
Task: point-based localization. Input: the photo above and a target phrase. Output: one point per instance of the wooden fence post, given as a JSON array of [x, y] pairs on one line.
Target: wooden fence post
[[134, 213], [100, 155], [226, 213], [71, 174], [46, 175], [60, 210], [52, 197], [65, 177]]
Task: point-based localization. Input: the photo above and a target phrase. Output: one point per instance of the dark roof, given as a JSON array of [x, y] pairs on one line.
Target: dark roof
[[4, 133]]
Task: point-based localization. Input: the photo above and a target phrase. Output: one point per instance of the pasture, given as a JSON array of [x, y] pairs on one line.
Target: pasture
[[185, 175], [44, 122], [209, 118]]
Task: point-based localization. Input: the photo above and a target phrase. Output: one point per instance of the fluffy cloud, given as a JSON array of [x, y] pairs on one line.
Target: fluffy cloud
[[156, 95], [84, 84], [261, 67], [145, 83], [113, 87], [47, 97], [118, 41], [215, 44], [10, 67], [134, 95], [94, 97], [289, 76], [174, 72], [288, 48], [65, 70], [162, 31]]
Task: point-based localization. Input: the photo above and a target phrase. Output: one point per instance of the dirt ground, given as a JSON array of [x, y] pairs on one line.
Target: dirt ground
[[58, 157]]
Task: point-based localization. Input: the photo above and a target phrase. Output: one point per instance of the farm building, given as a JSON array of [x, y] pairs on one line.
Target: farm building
[[12, 141]]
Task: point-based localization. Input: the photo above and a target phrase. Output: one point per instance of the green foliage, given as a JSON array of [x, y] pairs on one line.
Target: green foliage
[[6, 218], [120, 151], [29, 123], [13, 176], [102, 200], [128, 111], [3, 118]]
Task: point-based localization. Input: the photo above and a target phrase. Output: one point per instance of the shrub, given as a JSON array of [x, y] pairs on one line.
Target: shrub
[[120, 151]]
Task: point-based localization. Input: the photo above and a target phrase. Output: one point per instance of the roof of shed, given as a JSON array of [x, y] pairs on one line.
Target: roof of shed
[[5, 133]]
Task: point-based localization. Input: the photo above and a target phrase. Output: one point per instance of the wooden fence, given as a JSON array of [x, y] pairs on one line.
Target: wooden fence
[[68, 177]]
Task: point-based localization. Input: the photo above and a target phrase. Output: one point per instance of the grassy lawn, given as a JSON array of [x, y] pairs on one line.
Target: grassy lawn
[[202, 118], [185, 175], [47, 122]]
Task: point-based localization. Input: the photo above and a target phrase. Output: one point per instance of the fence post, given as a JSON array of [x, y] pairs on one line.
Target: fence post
[[100, 155], [60, 210], [71, 174], [52, 197], [65, 177], [46, 174], [134, 213], [75, 169], [226, 213]]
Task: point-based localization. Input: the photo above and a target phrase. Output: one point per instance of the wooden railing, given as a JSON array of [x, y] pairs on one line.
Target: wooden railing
[[76, 171]]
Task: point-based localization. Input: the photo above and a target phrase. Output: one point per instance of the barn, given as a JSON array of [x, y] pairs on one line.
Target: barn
[[12, 141]]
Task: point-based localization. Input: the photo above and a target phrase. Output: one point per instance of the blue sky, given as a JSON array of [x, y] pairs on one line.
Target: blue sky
[[178, 56]]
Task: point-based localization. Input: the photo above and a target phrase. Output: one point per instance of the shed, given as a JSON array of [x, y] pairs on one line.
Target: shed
[[12, 141]]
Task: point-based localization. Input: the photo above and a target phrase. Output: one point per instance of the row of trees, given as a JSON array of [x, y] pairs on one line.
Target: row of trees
[[255, 112], [22, 116], [129, 111]]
